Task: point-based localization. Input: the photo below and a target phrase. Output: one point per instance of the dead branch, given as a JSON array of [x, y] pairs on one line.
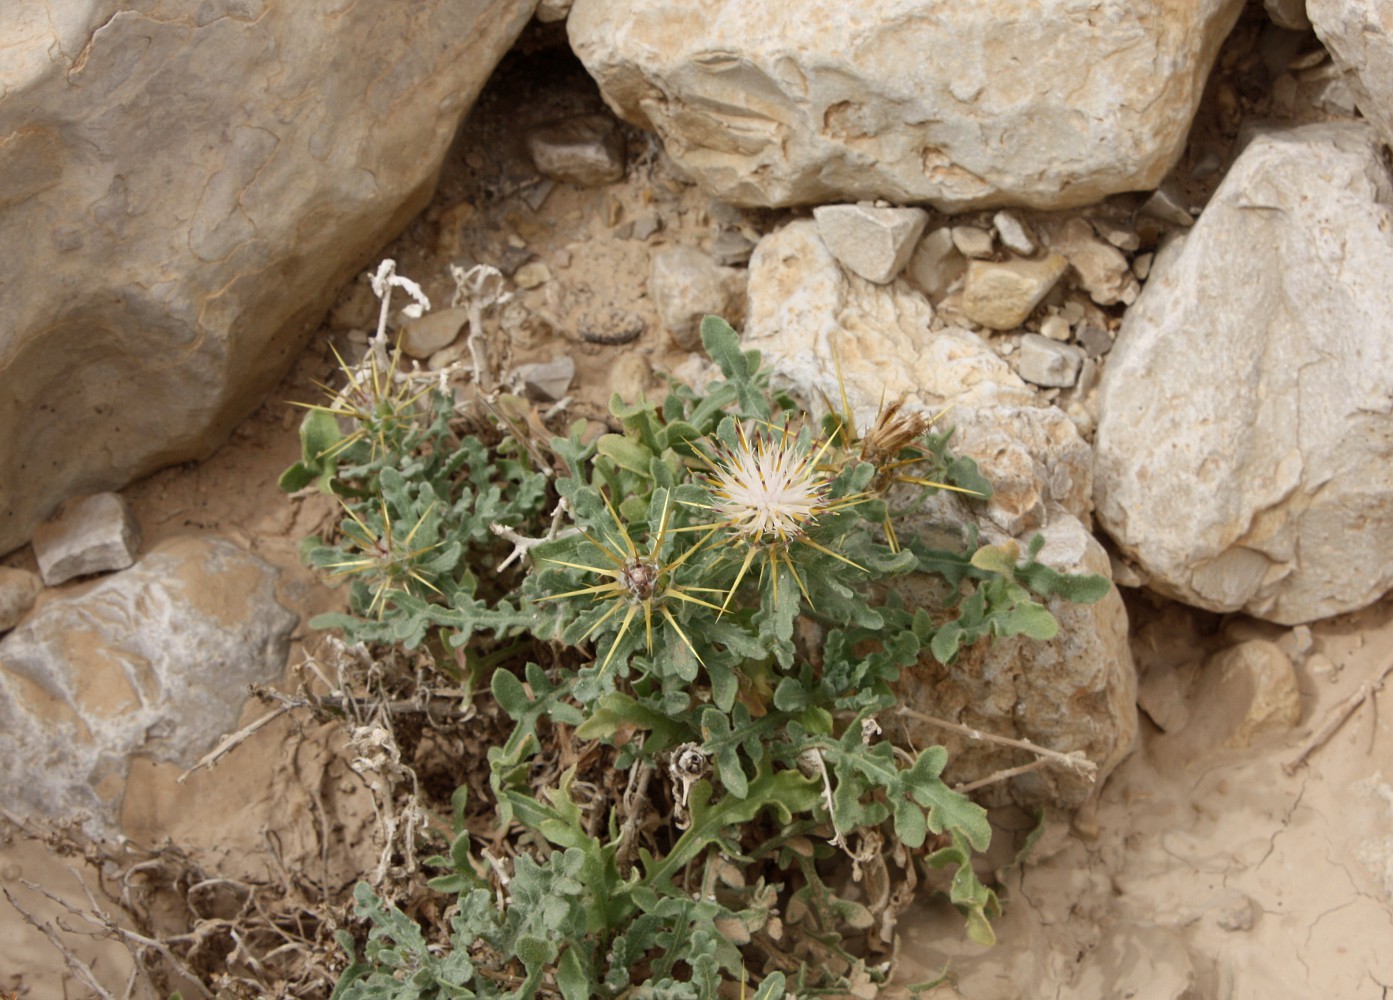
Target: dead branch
[[77, 966], [1074, 760], [1336, 718]]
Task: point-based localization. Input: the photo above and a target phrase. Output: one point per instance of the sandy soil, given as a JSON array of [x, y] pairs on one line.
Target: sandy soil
[[1199, 873]]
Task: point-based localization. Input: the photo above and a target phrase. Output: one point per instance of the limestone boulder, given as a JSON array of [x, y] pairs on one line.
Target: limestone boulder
[[1359, 35], [1243, 446], [154, 660], [825, 331], [962, 105], [183, 188]]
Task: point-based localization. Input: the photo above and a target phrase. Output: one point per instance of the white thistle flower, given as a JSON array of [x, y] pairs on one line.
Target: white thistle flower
[[768, 488]]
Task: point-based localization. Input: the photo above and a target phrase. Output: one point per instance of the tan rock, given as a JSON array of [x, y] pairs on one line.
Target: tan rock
[[1243, 459], [1103, 272], [182, 197], [420, 338], [1001, 295], [961, 105]]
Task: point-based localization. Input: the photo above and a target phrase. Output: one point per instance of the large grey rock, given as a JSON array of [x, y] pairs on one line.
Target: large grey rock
[[962, 105], [1359, 35], [826, 332], [182, 192], [1244, 459], [153, 660]]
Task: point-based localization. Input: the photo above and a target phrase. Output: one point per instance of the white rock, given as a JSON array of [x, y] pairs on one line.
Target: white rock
[[553, 10], [92, 534], [184, 194], [1056, 327], [587, 150], [1000, 295], [1102, 270], [874, 243], [1013, 234], [973, 241], [1257, 478], [809, 316], [1047, 362], [19, 589], [546, 380], [420, 338], [533, 274], [1289, 14], [958, 104], [1359, 35], [687, 285], [935, 264], [154, 660]]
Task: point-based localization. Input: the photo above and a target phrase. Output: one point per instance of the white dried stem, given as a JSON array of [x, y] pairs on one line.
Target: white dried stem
[[1075, 760]]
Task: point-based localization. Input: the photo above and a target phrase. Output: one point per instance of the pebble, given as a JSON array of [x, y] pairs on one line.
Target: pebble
[[935, 264], [553, 10], [1001, 295], [91, 534], [420, 338], [1047, 362], [973, 242], [1094, 339], [546, 380], [1165, 204], [1055, 327], [686, 285], [19, 588], [1120, 236], [587, 150], [1141, 265], [731, 248], [1014, 234], [645, 226], [874, 243], [532, 275], [1102, 270], [631, 377], [357, 309]]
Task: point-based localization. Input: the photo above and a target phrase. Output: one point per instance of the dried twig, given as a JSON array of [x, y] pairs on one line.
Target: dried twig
[[78, 967], [1075, 760], [235, 739], [522, 545], [1337, 717]]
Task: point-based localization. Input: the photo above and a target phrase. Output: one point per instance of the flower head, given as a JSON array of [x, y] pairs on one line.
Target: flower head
[[767, 487]]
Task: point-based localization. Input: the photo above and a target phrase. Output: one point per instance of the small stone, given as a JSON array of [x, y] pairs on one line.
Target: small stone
[[356, 309], [1049, 363], [546, 380], [92, 534], [1055, 327], [686, 285], [631, 377], [532, 275], [1013, 234], [553, 10], [874, 243], [1165, 204], [1001, 295], [1245, 692], [1102, 269], [420, 338], [645, 226], [625, 230], [19, 588], [935, 264], [1094, 339], [973, 242], [1141, 265], [731, 248], [587, 151], [535, 195], [1120, 236]]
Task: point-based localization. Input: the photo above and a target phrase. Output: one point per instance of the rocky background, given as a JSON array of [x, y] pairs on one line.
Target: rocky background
[[1136, 254]]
